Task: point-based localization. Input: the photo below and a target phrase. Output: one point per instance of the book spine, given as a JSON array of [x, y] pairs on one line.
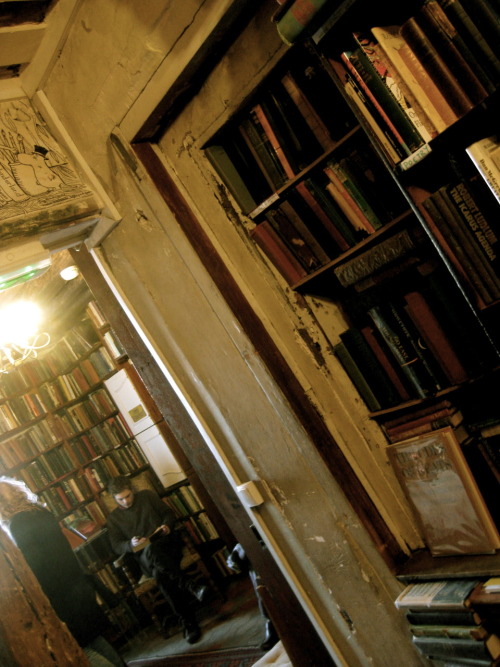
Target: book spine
[[297, 18], [381, 255], [485, 154], [279, 254], [442, 35], [273, 139], [395, 85]]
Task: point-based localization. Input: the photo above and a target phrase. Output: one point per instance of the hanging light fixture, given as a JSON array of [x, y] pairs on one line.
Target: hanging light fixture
[[20, 338]]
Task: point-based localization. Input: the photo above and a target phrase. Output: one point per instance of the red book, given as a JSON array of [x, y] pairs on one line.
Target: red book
[[278, 252], [435, 338], [271, 135], [385, 362]]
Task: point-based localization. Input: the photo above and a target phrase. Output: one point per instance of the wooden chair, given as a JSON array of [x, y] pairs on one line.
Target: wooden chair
[[145, 589]]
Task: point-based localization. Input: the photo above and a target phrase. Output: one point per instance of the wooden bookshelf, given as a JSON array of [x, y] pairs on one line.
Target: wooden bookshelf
[[384, 212]]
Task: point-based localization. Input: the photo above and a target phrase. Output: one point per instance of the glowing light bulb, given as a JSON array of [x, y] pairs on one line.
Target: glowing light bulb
[[19, 322]]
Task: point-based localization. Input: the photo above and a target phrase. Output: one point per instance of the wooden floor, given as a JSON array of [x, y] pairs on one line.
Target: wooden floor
[[230, 623]]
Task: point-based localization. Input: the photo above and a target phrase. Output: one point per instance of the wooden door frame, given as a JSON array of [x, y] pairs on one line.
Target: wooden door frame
[[297, 632]]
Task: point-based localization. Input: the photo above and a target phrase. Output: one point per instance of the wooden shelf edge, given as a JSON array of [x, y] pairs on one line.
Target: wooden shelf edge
[[424, 567]]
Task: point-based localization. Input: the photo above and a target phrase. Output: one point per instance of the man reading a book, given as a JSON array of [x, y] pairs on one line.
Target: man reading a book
[[143, 526]]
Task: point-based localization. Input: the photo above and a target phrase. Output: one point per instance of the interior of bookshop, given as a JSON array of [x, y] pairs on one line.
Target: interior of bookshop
[[386, 207], [390, 208], [74, 414]]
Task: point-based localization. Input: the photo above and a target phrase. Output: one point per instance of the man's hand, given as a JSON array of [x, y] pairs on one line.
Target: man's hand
[[164, 529], [136, 541]]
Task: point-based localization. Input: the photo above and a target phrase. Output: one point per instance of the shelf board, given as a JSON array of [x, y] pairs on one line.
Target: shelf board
[[422, 566]]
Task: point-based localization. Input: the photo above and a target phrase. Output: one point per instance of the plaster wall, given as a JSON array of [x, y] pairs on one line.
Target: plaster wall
[[110, 55]]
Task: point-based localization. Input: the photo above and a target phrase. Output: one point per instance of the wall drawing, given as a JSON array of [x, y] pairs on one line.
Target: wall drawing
[[36, 177]]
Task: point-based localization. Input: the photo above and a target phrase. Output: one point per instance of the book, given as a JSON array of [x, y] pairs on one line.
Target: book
[[404, 348], [447, 595], [293, 215], [356, 376], [316, 185], [263, 152], [375, 376], [485, 154], [445, 39], [435, 66], [383, 254], [473, 37], [434, 336], [438, 483], [226, 169], [468, 225], [376, 125], [297, 18], [387, 364], [347, 204], [293, 239], [417, 79], [395, 84], [388, 111], [307, 110], [308, 193], [447, 648], [274, 140], [455, 252], [155, 535], [278, 252], [344, 179]]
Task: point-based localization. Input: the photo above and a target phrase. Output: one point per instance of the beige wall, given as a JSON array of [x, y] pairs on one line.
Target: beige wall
[[116, 58]]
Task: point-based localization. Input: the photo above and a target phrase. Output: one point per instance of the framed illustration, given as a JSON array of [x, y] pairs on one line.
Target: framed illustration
[[437, 481]]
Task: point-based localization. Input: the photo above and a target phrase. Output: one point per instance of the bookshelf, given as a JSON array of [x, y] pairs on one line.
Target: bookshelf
[[366, 170]]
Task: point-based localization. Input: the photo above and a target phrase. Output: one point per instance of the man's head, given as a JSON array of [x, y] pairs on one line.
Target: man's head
[[121, 490]]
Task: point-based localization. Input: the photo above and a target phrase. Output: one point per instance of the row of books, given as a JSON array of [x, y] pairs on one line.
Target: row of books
[[329, 211], [36, 439], [407, 349], [453, 621], [183, 501], [63, 495], [125, 460], [19, 410], [412, 81], [298, 118], [47, 468], [468, 232], [64, 353], [200, 528]]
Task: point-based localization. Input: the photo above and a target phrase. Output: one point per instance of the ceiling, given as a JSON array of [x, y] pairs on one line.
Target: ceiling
[[31, 33], [21, 31]]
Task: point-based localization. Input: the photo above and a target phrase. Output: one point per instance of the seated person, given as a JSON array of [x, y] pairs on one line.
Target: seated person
[[130, 525]]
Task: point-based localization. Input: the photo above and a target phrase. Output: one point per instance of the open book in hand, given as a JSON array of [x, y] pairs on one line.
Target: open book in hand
[[156, 534]]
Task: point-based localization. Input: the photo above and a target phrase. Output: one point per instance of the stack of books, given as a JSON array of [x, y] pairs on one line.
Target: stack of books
[[446, 625]]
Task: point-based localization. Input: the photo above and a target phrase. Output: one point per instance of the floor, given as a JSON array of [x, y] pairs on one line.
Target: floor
[[230, 623]]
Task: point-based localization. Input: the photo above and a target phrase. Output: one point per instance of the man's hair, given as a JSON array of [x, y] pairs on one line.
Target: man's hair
[[119, 484]]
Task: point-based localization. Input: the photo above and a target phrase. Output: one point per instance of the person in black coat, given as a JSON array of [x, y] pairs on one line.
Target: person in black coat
[[139, 516], [37, 534]]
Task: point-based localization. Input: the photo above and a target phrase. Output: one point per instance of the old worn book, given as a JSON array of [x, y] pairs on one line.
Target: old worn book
[[299, 15], [443, 36], [436, 67], [450, 648], [444, 594], [419, 85], [440, 487], [356, 375], [395, 84], [226, 169], [383, 254], [278, 252], [435, 337]]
